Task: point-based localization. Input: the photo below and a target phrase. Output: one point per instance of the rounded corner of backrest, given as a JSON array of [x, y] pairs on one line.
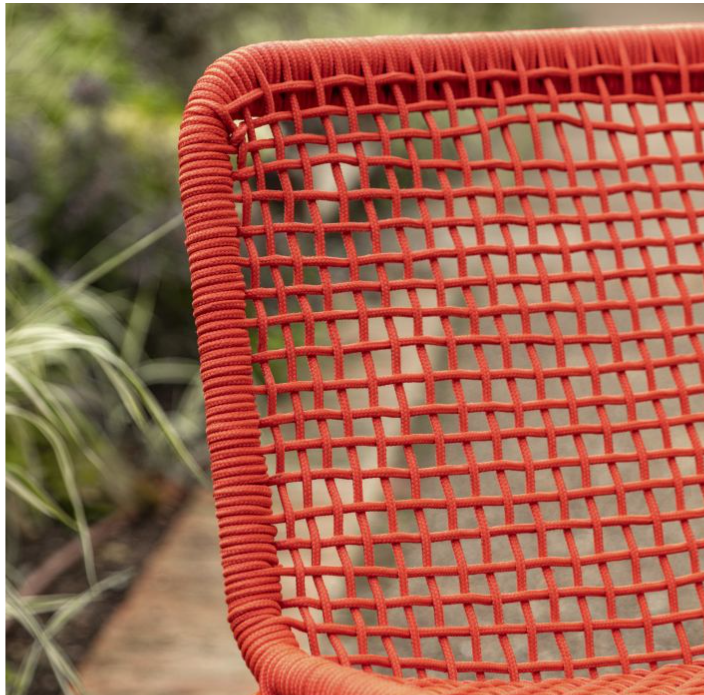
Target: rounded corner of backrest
[[237, 86]]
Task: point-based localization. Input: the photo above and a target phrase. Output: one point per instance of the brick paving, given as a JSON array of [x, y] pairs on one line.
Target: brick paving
[[170, 636]]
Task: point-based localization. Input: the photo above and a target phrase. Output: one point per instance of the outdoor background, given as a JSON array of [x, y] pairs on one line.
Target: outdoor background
[[105, 444]]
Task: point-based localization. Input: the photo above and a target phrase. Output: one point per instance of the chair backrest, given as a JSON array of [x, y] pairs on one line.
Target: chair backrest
[[450, 300]]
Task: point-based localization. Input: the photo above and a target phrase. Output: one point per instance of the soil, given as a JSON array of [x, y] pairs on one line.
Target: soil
[[127, 548]]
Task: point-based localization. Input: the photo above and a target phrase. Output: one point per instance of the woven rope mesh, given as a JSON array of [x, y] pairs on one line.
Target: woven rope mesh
[[476, 308]]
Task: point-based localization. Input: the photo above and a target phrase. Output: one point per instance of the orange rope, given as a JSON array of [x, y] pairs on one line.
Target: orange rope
[[449, 301]]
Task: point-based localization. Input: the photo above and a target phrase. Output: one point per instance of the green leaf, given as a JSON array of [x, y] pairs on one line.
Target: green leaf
[[21, 485]]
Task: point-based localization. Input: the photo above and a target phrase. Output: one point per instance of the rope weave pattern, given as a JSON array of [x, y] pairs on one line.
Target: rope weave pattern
[[450, 301]]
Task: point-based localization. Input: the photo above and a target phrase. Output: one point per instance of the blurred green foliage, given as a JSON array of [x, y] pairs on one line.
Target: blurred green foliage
[[84, 429], [94, 99]]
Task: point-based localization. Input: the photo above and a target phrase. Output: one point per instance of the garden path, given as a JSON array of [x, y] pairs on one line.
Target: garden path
[[170, 636]]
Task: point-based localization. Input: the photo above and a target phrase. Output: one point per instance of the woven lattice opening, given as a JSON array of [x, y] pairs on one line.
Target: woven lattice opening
[[476, 316]]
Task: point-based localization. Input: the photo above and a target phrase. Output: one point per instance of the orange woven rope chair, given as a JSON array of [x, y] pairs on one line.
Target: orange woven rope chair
[[449, 293]]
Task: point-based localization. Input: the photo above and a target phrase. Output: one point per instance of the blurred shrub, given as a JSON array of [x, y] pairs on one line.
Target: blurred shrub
[[76, 396], [94, 98], [84, 430]]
